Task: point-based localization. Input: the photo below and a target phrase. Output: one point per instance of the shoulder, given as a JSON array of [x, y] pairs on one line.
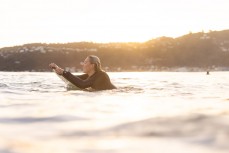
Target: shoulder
[[102, 75]]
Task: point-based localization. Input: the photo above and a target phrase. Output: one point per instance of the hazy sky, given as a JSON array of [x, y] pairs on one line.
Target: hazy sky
[[58, 21]]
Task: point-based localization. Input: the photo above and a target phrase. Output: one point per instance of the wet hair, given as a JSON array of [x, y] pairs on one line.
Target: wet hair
[[96, 61]]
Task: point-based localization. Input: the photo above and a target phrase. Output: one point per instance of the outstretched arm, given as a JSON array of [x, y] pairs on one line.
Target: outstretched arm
[[78, 81]]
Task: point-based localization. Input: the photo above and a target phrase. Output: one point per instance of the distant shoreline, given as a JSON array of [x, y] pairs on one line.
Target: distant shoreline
[[164, 69], [192, 52]]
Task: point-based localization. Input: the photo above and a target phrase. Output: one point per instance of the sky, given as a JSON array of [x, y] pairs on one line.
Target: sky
[[63, 21]]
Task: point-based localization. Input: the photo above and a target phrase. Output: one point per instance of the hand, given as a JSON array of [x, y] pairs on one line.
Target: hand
[[53, 66], [59, 71], [56, 68]]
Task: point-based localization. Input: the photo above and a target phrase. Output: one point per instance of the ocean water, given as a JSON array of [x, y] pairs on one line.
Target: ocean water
[[176, 112]]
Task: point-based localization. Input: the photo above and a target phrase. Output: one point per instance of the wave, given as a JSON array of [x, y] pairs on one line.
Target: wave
[[201, 129], [129, 89], [12, 92], [23, 120], [6, 150], [2, 85]]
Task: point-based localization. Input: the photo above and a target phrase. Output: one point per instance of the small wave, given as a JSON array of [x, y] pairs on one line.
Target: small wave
[[16, 105], [157, 88], [126, 78], [201, 129], [16, 92], [186, 93], [3, 85], [130, 89], [175, 85], [6, 150], [28, 120]]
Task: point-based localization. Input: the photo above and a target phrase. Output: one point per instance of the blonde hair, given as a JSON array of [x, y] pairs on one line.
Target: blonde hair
[[96, 61]]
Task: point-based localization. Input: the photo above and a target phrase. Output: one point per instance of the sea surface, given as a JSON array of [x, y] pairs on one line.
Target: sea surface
[[150, 112]]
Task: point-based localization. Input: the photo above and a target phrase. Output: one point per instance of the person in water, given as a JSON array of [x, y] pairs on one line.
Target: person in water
[[94, 77]]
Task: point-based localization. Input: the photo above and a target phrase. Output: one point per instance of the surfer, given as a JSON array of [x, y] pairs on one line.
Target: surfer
[[94, 77]]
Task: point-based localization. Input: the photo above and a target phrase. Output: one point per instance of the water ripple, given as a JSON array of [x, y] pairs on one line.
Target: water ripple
[[6, 151], [130, 89], [198, 128], [24, 120], [3, 85]]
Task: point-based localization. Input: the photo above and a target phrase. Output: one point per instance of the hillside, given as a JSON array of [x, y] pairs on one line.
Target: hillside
[[200, 50]]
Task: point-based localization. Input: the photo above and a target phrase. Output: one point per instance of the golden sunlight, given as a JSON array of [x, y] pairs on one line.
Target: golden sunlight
[[62, 21]]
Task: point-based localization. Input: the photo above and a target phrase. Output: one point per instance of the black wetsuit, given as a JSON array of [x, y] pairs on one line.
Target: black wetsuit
[[98, 81]]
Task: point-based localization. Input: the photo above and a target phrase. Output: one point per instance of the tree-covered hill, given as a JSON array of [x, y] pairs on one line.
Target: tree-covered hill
[[203, 50]]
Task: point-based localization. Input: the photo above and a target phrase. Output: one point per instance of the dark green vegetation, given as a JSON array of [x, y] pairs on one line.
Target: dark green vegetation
[[202, 50]]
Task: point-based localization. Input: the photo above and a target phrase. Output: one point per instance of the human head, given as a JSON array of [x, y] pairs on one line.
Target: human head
[[91, 63]]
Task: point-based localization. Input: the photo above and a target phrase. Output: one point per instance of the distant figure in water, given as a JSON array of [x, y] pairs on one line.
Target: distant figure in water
[[208, 72], [93, 79]]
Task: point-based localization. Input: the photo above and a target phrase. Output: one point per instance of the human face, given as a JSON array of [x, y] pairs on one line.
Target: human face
[[87, 66]]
